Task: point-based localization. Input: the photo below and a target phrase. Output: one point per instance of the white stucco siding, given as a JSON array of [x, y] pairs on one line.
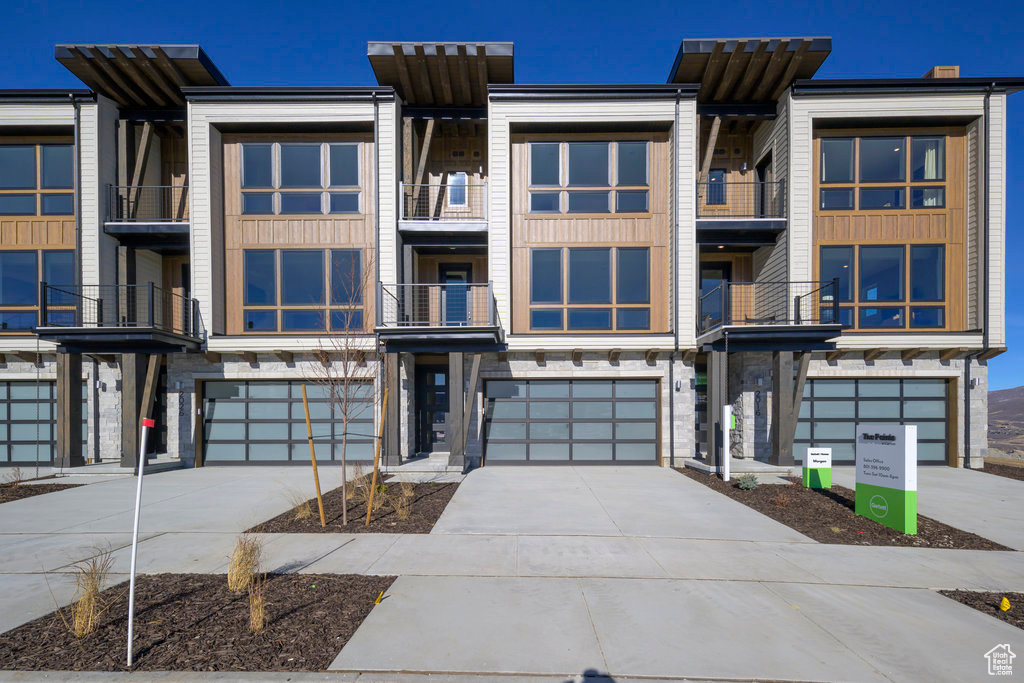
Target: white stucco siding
[[997, 221], [387, 150], [98, 170]]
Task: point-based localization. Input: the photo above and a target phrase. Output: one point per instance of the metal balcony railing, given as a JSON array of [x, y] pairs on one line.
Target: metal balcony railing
[[454, 304], [148, 203], [719, 199], [769, 303], [450, 202], [118, 306]]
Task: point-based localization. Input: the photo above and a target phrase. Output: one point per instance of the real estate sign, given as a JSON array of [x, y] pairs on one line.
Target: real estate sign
[[887, 475], [818, 468]]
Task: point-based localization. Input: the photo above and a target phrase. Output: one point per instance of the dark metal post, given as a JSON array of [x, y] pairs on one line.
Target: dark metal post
[[726, 313], [490, 303], [42, 304], [149, 297], [796, 309], [195, 318], [835, 300], [99, 314]]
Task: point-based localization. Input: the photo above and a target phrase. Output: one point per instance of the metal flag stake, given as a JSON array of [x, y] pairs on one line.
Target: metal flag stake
[[147, 424]]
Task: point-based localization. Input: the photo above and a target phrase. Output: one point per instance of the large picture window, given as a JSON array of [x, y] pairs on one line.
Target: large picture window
[[589, 177], [882, 173], [300, 178], [19, 287], [590, 289], [302, 290], [37, 180], [887, 286]]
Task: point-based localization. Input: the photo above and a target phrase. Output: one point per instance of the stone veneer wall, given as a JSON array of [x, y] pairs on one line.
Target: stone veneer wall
[[750, 391]]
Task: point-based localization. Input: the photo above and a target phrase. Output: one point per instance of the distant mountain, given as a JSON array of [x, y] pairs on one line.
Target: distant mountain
[[1006, 420]]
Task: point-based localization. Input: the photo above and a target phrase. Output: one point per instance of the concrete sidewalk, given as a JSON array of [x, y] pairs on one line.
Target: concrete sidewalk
[[671, 628], [974, 501]]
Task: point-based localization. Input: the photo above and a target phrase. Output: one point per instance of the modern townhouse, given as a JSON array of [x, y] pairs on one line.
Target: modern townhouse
[[541, 274]]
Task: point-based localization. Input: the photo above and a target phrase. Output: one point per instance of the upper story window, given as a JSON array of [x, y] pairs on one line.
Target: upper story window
[[296, 178], [882, 173], [302, 290], [589, 177], [20, 275], [602, 289], [37, 180]]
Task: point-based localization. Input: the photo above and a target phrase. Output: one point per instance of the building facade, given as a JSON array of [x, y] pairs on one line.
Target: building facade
[[459, 267]]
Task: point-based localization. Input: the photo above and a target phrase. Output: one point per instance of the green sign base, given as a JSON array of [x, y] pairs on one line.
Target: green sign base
[[894, 508], [818, 477]]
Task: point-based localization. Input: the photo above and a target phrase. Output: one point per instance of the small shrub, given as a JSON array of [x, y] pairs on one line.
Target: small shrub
[[780, 499], [748, 482], [357, 480], [245, 563], [402, 505], [88, 604], [300, 505], [14, 477], [257, 603], [406, 489]]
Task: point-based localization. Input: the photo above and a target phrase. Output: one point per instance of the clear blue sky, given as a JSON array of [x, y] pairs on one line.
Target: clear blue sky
[[259, 42]]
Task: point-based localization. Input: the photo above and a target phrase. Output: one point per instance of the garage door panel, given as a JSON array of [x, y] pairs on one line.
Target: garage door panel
[[583, 421], [265, 422], [831, 409]]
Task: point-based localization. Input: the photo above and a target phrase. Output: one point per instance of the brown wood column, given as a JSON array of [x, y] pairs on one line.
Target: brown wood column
[[133, 384], [456, 406], [392, 423], [783, 418], [718, 396], [69, 411]]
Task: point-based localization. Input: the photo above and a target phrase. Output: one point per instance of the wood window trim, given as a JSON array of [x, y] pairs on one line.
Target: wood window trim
[[906, 303], [325, 190], [613, 306], [564, 188], [326, 308], [38, 142]]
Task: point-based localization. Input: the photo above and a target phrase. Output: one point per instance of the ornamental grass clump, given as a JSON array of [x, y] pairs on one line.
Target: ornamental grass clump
[[300, 505], [257, 603], [245, 563], [88, 603]]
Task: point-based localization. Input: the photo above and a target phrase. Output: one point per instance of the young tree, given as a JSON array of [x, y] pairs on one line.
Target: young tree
[[346, 369]]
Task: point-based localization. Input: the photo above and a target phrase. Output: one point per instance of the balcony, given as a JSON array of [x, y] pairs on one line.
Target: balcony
[[438, 317], [741, 213], [444, 209], [149, 216], [118, 319], [779, 316]]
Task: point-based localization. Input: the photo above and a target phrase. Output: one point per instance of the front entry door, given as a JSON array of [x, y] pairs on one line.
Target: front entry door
[[713, 274], [455, 294], [431, 408]]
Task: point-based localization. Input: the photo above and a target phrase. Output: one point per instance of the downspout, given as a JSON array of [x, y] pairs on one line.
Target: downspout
[[984, 288], [675, 294], [78, 189]]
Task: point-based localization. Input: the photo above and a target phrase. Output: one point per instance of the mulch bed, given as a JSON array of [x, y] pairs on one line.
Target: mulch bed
[[1008, 471], [191, 622], [428, 502], [827, 516], [9, 492], [989, 604]]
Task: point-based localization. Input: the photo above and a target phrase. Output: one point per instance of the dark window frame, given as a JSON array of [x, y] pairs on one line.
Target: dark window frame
[[564, 189], [326, 189], [38, 190]]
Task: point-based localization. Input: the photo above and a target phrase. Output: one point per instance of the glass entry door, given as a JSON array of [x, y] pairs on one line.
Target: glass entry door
[[431, 408], [713, 274], [455, 294]]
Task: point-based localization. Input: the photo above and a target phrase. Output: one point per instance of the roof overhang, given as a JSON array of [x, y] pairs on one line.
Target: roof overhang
[[657, 91], [287, 94], [147, 76], [46, 96], [747, 69], [906, 86], [442, 74]]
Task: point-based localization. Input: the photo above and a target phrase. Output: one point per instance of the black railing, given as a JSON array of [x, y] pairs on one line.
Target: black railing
[[148, 203], [451, 202], [118, 306], [769, 303], [453, 304], [720, 199]]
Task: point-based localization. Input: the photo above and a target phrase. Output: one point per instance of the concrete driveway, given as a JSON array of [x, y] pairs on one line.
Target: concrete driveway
[[984, 504], [601, 501]]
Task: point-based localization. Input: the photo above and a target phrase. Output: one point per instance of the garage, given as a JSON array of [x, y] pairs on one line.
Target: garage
[[832, 408], [571, 421], [28, 426], [263, 422]]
